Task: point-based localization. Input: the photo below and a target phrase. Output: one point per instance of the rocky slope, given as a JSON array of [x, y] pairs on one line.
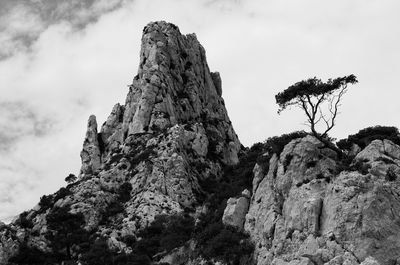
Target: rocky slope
[[309, 210], [156, 178]]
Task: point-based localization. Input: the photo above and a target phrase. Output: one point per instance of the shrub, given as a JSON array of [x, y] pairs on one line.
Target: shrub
[[124, 192], [98, 253], [277, 143], [129, 240], [46, 202], [71, 178], [65, 230], [29, 255], [142, 156], [212, 150], [223, 243], [114, 208], [391, 174], [361, 167], [23, 221], [165, 233], [62, 193], [365, 136]]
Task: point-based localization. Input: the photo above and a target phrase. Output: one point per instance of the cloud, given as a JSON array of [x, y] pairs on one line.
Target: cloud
[[18, 121], [65, 60], [22, 22]]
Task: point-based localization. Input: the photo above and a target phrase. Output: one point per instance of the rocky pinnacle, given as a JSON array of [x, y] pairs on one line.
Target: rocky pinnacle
[[173, 86]]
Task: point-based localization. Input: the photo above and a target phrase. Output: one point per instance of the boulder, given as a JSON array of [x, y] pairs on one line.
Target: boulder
[[235, 211]]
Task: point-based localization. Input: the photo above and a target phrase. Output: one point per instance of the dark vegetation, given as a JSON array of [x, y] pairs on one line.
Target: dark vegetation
[[71, 178], [23, 221], [277, 143], [391, 174], [46, 202], [164, 234], [219, 242], [365, 136], [216, 241], [116, 206], [31, 255], [124, 192], [66, 229], [61, 193], [139, 152]]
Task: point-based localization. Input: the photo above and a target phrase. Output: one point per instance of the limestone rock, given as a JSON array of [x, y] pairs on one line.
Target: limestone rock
[[155, 152], [9, 242], [370, 261], [174, 86], [172, 132], [111, 134], [182, 255], [235, 211], [90, 154], [217, 82], [302, 208]]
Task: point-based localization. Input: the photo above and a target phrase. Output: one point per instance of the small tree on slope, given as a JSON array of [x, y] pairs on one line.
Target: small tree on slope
[[320, 102]]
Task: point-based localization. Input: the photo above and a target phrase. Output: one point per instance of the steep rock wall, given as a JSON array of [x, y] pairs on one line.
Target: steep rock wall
[[308, 210], [172, 133]]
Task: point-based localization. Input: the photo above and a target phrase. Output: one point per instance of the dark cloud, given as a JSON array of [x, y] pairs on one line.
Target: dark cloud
[[22, 22]]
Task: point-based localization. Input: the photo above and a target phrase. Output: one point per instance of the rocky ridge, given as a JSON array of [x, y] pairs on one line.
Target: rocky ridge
[[307, 210], [163, 153], [172, 132]]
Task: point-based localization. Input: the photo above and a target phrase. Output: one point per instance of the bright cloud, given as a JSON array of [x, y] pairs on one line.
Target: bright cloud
[[65, 60]]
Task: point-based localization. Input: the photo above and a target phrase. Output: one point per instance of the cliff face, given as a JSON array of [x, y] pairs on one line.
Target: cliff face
[[173, 117], [172, 133], [309, 210], [167, 150]]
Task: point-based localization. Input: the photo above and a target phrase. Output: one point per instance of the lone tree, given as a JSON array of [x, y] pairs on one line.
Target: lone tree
[[319, 100], [71, 178]]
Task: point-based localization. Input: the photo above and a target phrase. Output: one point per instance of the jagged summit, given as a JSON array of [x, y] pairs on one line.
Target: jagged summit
[[165, 181], [173, 86], [172, 134]]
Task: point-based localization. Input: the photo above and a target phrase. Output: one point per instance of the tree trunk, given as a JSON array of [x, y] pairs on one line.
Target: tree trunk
[[330, 145]]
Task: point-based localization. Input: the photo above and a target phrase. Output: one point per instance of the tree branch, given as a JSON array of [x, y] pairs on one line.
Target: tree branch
[[333, 109]]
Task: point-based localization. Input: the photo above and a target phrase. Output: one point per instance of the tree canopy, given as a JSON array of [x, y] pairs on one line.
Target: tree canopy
[[71, 178], [311, 96], [312, 87], [65, 229]]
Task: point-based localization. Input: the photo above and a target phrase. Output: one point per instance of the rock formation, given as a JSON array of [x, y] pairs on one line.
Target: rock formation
[[306, 210], [236, 209], [169, 156], [172, 132]]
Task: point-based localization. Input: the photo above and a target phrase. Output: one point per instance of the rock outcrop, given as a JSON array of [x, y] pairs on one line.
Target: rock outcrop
[[235, 211], [308, 210], [10, 239], [161, 159], [172, 133], [90, 154]]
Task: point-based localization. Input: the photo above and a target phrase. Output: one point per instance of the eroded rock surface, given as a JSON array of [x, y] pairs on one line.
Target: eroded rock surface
[[172, 133], [155, 153], [305, 211], [10, 239], [235, 211], [90, 154]]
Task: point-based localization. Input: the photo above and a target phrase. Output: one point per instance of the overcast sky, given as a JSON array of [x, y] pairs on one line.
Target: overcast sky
[[61, 61]]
